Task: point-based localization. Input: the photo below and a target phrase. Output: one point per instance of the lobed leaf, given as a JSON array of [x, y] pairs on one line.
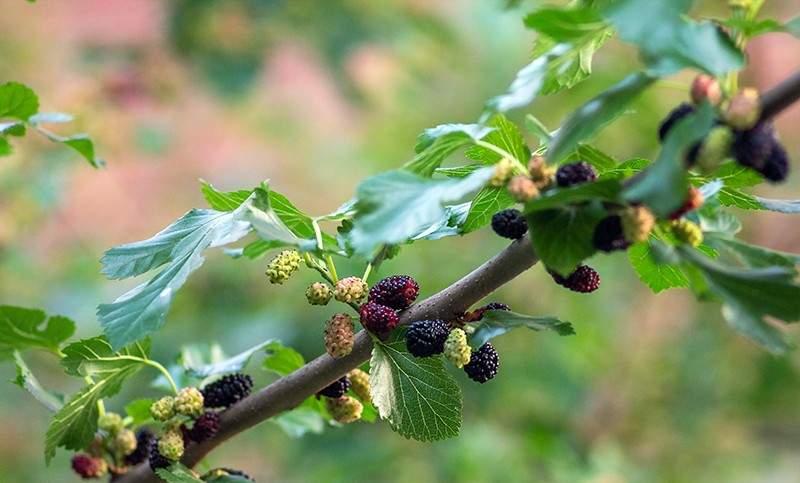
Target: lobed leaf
[[17, 101], [22, 328], [434, 145], [655, 273]]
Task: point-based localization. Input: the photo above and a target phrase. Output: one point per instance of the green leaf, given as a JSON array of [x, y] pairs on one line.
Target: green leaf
[[396, 205], [22, 328], [12, 129], [669, 41], [139, 411], [232, 364], [603, 190], [459, 171], [498, 322], [601, 161], [5, 147], [751, 294], [487, 202], [751, 256], [565, 24], [275, 219], [781, 206], [662, 185], [752, 27], [507, 136], [81, 143], [309, 417], [177, 473], [73, 426], [26, 380], [95, 356], [223, 201], [538, 129], [654, 273], [17, 101], [418, 396], [451, 223], [180, 246], [437, 143], [596, 114], [562, 237], [282, 360]]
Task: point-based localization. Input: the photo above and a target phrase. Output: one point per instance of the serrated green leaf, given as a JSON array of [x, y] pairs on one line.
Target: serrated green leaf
[[231, 364], [177, 473], [180, 246], [487, 202], [656, 274], [562, 237], [459, 171], [603, 190], [662, 186], [96, 357], [498, 322], [139, 411], [601, 161], [258, 248], [73, 426], [22, 328], [626, 169], [437, 143], [565, 24], [17, 101], [538, 129], [26, 380], [507, 136], [596, 114], [418, 397], [396, 205], [669, 41], [282, 360], [451, 223], [223, 201], [751, 256]]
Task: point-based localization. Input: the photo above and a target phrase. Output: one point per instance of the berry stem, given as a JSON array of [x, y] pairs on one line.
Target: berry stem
[[367, 272], [331, 268], [520, 168], [163, 370]]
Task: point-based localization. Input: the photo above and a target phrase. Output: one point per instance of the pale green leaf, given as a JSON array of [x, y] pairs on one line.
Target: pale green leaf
[[506, 136], [781, 206], [232, 364], [139, 411], [656, 274], [26, 380], [487, 202], [282, 360], [22, 328], [498, 322], [17, 101]]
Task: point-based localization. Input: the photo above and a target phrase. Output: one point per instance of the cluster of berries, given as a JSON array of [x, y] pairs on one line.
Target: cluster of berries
[[739, 132], [342, 407], [192, 416], [427, 338], [386, 299], [115, 447]]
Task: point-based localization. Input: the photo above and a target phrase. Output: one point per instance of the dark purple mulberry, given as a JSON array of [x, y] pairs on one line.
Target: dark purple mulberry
[[377, 318], [227, 391], [157, 460], [144, 438], [204, 427], [575, 173], [397, 292], [425, 338], [584, 279], [509, 224], [483, 364], [609, 235], [337, 388], [776, 168], [753, 147]]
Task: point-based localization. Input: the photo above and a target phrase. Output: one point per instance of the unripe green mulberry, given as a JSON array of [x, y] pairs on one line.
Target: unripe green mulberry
[[456, 348], [687, 232], [319, 293], [283, 266], [351, 289], [503, 171], [170, 445], [340, 334], [715, 148], [637, 222], [344, 409], [189, 402], [125, 442], [744, 109], [163, 409], [359, 383], [110, 423]]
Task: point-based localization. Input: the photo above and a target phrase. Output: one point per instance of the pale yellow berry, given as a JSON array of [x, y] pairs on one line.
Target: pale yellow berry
[[503, 171], [456, 349], [319, 293], [637, 223], [344, 409], [163, 409], [283, 266], [170, 445], [351, 289], [359, 383], [189, 402]]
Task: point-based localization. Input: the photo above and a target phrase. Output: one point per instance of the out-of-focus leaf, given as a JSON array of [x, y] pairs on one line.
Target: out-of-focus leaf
[[418, 396], [669, 41], [562, 237], [751, 256], [81, 143], [752, 27], [50, 118], [782, 206], [231, 364], [282, 360], [596, 114], [662, 185], [17, 101], [22, 328], [459, 171], [565, 24], [487, 202], [180, 246], [394, 206], [600, 161], [498, 322], [139, 411], [538, 129], [603, 190], [507, 136], [300, 421]]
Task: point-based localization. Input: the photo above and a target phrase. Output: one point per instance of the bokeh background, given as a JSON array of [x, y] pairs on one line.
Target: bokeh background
[[316, 96]]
